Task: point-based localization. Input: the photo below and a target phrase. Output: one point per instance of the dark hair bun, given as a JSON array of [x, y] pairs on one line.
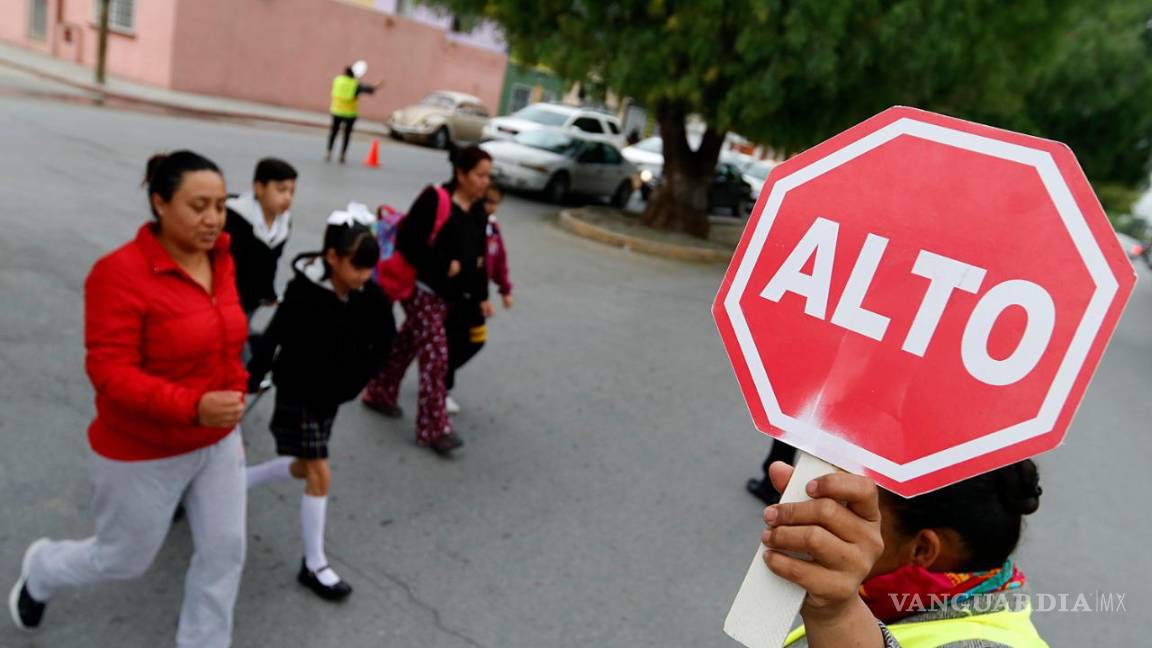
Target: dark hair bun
[[165, 172], [1020, 487], [465, 159], [154, 164]]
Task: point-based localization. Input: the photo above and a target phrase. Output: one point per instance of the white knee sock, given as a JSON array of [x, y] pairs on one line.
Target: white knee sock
[[312, 515], [279, 468]]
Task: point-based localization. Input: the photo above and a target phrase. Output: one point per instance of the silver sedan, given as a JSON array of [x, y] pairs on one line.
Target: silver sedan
[[560, 165]]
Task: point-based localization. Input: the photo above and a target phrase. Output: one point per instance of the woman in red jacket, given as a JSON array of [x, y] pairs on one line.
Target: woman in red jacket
[[164, 331]]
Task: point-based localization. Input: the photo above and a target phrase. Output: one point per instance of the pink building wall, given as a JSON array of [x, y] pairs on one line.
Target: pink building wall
[[287, 52], [143, 55], [283, 52], [14, 24]]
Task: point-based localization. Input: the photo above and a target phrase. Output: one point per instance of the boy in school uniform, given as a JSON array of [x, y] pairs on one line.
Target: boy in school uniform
[[259, 223]]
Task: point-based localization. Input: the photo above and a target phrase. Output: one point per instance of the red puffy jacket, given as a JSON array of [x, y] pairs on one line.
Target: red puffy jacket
[[156, 342]]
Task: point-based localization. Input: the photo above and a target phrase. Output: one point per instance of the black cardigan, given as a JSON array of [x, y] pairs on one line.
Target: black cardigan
[[255, 263], [463, 238], [328, 348]]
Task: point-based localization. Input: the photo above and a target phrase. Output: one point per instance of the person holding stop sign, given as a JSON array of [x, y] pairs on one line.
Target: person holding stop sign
[[920, 302], [934, 570]]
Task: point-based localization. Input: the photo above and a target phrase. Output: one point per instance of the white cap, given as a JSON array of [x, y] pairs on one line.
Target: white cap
[[359, 68]]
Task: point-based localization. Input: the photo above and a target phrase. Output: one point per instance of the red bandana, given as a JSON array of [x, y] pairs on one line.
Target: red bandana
[[911, 588]]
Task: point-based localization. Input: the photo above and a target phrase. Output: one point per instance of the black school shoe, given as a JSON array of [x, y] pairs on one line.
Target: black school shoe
[[307, 578], [27, 612], [443, 445], [763, 491]]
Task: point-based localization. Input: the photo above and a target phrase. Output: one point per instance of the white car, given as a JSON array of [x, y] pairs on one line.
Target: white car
[[756, 175], [559, 165], [648, 156], [584, 122]]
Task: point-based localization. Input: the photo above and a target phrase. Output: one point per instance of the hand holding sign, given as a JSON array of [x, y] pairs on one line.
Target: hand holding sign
[[840, 529], [920, 300]]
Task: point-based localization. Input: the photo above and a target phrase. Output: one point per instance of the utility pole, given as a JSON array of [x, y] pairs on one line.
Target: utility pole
[[102, 43]]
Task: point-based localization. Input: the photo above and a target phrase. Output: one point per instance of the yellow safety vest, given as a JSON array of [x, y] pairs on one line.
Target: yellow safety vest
[[344, 96], [1008, 627]]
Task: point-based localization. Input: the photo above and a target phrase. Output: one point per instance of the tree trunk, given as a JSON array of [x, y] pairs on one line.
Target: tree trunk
[[680, 203]]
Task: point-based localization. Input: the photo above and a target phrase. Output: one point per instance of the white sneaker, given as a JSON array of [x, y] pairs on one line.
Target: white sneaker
[[26, 612], [451, 406]]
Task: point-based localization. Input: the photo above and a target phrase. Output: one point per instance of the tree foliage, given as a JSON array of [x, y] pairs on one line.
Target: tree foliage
[[791, 73], [1095, 94]]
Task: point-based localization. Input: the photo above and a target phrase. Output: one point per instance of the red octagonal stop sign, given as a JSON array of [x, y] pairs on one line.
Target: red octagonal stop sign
[[922, 299]]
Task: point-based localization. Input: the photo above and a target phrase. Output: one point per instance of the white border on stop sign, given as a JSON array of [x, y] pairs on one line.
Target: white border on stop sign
[[807, 433]]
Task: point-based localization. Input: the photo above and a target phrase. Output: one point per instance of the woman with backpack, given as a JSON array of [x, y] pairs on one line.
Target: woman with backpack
[[445, 245]]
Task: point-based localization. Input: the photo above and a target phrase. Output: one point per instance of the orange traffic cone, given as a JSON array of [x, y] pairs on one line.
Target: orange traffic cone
[[373, 159]]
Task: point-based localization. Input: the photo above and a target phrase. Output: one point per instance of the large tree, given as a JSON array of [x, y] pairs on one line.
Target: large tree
[[1095, 94], [785, 72]]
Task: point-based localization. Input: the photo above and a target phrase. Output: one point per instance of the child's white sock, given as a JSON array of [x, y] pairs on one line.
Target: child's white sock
[[279, 468], [312, 515]]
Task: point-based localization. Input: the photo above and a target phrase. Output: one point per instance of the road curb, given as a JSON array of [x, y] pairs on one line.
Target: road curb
[[178, 107], [575, 225]]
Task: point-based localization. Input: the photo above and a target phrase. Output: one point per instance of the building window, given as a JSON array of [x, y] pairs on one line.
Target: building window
[[121, 14], [38, 19], [521, 95]]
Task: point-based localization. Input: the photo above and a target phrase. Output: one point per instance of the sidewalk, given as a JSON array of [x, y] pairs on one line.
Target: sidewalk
[[78, 76]]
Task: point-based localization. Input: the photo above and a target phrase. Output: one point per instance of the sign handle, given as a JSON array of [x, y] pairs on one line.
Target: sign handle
[[762, 614]]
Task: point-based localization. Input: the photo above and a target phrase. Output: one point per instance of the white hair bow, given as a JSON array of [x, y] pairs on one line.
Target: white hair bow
[[354, 214]]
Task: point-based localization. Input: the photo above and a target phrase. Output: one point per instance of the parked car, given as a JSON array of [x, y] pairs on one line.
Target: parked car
[[648, 156], [1135, 249], [756, 175], [440, 119], [587, 123], [731, 191], [727, 190], [560, 165]]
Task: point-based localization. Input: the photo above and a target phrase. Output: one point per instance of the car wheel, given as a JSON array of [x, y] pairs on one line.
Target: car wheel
[[740, 208], [394, 134], [440, 138], [557, 188], [622, 195]]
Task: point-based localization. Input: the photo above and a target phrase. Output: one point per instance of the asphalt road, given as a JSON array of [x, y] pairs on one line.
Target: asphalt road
[[598, 501]]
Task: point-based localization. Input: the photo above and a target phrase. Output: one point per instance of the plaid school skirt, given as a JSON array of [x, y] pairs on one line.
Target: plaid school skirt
[[302, 430]]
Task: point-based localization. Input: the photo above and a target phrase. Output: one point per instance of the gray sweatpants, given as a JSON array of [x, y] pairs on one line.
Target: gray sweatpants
[[133, 505]]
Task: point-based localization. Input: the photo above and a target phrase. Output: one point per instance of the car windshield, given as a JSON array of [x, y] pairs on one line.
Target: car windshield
[[548, 141], [541, 115], [650, 145], [759, 170], [437, 101]]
